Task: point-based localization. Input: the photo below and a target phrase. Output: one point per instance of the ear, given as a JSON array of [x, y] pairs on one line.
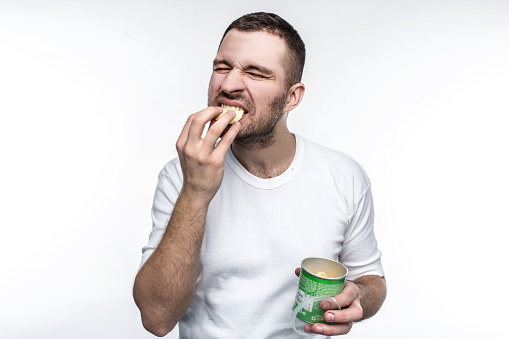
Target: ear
[[295, 95]]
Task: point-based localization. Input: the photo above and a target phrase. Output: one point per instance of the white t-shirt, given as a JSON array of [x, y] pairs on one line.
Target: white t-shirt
[[259, 230]]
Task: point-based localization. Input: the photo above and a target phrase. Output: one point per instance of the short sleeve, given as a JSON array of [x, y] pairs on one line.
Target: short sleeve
[[167, 191], [360, 251]]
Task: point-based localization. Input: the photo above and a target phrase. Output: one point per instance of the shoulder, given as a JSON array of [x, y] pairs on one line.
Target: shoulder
[[334, 161]]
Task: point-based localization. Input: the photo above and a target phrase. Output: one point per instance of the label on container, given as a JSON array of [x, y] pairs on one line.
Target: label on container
[[312, 286]]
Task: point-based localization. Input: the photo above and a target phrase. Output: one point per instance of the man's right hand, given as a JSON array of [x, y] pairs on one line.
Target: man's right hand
[[164, 286], [202, 161]]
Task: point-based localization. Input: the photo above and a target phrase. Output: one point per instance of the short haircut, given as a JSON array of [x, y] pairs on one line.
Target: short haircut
[[274, 24]]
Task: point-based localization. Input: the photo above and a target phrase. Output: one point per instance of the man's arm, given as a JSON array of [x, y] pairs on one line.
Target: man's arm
[[165, 285], [372, 293]]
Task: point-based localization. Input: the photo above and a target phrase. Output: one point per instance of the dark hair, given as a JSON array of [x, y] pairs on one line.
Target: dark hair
[[274, 24]]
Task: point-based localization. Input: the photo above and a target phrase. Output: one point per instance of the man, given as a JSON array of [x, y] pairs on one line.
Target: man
[[233, 218]]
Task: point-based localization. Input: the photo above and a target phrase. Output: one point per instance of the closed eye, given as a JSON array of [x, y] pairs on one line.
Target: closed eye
[[221, 69], [258, 72], [256, 75], [221, 66]]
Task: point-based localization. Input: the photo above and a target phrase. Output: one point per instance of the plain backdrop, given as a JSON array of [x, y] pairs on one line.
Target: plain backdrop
[[93, 95]]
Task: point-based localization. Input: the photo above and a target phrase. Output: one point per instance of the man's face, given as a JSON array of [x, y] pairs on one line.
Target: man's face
[[248, 73]]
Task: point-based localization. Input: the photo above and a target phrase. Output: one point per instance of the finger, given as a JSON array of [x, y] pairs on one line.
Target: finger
[[352, 313], [199, 121], [326, 329], [227, 139], [218, 127], [328, 304], [182, 139], [348, 295], [344, 299], [297, 272]]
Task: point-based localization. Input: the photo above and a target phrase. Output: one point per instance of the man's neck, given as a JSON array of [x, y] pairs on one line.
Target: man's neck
[[270, 161]]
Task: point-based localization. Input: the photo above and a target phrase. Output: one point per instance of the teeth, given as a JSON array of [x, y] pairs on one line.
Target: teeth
[[239, 112], [236, 109]]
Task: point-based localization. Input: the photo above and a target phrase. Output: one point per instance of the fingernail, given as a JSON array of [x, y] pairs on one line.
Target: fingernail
[[318, 329], [326, 305], [329, 317]]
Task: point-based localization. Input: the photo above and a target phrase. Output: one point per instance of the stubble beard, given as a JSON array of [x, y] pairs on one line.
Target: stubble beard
[[260, 133]]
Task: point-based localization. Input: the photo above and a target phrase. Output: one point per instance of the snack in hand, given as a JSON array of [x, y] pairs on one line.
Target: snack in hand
[[239, 112]]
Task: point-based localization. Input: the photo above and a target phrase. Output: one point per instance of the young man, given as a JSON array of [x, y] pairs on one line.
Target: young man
[[233, 218]]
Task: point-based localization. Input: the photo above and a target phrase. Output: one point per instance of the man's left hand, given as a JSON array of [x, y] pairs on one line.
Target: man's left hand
[[339, 321]]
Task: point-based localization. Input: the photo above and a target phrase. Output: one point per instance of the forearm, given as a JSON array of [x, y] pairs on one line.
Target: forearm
[[373, 290], [164, 286]]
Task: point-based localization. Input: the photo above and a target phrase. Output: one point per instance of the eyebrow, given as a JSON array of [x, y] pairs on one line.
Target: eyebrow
[[261, 69], [221, 62], [250, 67]]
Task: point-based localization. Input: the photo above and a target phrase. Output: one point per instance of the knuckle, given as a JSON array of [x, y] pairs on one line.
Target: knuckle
[[180, 144], [202, 160], [360, 313], [216, 128], [198, 120], [347, 300], [340, 317], [357, 291], [216, 161], [187, 151], [351, 297]]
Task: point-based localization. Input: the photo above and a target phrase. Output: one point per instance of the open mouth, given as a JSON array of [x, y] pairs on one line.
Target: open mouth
[[239, 112]]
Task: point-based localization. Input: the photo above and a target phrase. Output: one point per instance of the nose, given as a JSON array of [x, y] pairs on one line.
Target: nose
[[233, 82]]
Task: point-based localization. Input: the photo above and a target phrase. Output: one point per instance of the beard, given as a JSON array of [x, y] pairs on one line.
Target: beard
[[260, 133]]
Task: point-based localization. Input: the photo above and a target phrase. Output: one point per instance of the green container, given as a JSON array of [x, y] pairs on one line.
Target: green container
[[312, 283]]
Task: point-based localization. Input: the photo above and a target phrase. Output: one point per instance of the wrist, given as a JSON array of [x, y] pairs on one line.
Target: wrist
[[194, 199]]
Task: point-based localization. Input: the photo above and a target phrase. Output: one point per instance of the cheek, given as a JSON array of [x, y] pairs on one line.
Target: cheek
[[214, 83], [212, 92], [265, 99]]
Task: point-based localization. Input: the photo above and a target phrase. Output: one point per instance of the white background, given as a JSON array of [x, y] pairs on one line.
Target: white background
[[93, 95]]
